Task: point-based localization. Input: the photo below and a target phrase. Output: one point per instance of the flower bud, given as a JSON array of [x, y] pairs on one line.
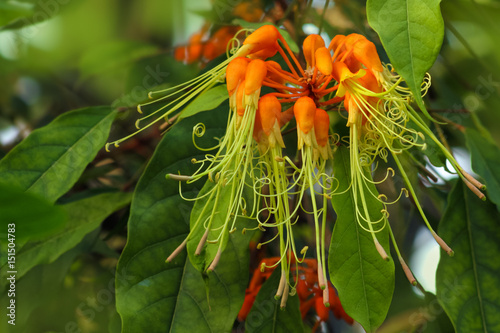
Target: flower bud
[[305, 111], [321, 127], [235, 73], [255, 74], [270, 110]]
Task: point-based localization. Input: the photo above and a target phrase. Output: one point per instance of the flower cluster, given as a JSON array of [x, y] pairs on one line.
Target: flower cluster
[[308, 291], [261, 181]]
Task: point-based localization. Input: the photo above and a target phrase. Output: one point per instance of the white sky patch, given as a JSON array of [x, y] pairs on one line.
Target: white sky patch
[[9, 48], [425, 259], [8, 135], [463, 158]]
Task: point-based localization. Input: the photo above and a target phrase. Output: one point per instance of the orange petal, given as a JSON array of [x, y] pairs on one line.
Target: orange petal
[[247, 306], [304, 111], [194, 52], [263, 54], [272, 75], [323, 60], [196, 37], [369, 81], [258, 132], [302, 290], [265, 37], [270, 111], [365, 52], [286, 116], [180, 53], [321, 310], [235, 73], [305, 306], [240, 98], [336, 43], [309, 47], [255, 73], [321, 127], [209, 51], [341, 72]]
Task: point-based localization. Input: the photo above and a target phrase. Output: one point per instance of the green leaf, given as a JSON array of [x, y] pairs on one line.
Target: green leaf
[[202, 211], [364, 281], [255, 25], [83, 216], [485, 157], [50, 160], [11, 12], [153, 296], [412, 33], [42, 285], [219, 204], [208, 100], [467, 284], [33, 216], [266, 315]]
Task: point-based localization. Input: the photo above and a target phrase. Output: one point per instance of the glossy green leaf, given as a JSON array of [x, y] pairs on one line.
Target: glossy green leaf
[[266, 316], [485, 157], [364, 281], [467, 284], [154, 296], [255, 25], [83, 215], [208, 100], [50, 160], [412, 33], [33, 216]]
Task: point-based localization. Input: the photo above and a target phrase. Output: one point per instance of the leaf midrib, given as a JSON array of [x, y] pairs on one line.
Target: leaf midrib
[[409, 42], [359, 246], [474, 264], [68, 150]]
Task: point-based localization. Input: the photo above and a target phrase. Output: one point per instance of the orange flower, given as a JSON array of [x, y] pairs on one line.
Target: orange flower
[[309, 47], [267, 130], [304, 110], [308, 291]]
